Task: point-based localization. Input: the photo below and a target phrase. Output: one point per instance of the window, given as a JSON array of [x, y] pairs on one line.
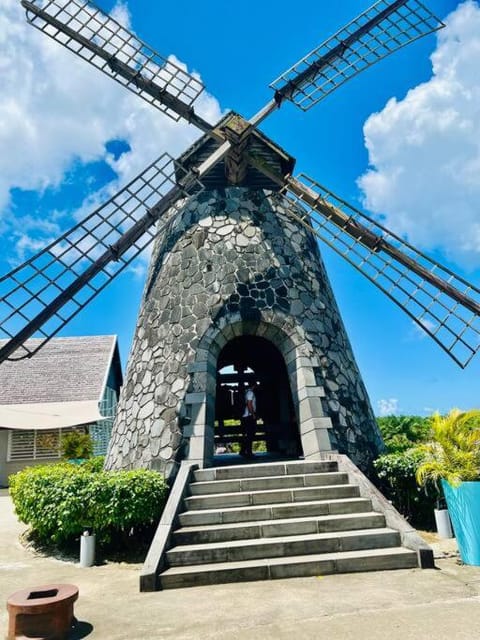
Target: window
[[33, 444], [102, 430], [100, 433]]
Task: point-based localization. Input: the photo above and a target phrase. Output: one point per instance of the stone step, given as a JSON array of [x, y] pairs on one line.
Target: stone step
[[275, 511], [272, 512], [294, 566], [268, 482], [264, 469], [243, 499], [282, 545], [277, 528]]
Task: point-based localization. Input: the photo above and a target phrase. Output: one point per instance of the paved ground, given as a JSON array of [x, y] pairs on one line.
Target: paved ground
[[441, 604]]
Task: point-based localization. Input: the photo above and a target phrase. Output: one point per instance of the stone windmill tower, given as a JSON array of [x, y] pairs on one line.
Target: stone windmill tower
[[236, 288], [236, 279]]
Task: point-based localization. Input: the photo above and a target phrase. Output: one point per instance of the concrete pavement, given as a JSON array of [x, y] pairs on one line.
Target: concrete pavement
[[441, 604]]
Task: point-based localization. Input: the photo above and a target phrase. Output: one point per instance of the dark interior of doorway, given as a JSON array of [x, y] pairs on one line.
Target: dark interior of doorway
[[249, 359]]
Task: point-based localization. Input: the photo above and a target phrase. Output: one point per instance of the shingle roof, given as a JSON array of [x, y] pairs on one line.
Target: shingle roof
[[64, 370]]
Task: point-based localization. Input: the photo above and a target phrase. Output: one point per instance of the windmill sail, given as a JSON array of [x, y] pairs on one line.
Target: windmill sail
[[376, 33], [100, 40], [443, 304], [47, 291]]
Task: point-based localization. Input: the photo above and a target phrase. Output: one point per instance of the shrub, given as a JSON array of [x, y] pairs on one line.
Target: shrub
[[396, 473], [59, 501], [424, 450], [258, 446], [400, 433], [396, 469], [94, 465], [75, 445]]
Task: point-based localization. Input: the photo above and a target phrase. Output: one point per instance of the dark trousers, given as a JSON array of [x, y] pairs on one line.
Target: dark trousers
[[249, 426]]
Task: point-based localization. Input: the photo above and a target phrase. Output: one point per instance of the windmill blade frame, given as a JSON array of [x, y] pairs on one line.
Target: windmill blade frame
[[85, 30], [443, 304], [376, 33], [53, 286]]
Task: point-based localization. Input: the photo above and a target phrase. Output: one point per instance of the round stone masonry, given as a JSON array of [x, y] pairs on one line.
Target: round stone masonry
[[233, 262]]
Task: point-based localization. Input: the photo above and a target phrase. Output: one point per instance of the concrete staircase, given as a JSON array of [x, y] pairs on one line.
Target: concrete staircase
[[277, 520]]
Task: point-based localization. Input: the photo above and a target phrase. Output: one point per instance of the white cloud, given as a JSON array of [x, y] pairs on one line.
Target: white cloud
[[387, 407], [420, 328], [424, 150], [56, 109]]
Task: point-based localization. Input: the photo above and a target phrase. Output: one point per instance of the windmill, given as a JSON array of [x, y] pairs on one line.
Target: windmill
[[235, 269]]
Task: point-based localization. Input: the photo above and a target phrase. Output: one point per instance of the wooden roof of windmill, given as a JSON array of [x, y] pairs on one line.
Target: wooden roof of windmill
[[254, 145]]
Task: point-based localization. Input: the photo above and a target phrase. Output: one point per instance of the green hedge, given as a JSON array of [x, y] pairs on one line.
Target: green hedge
[[400, 433], [94, 465], [396, 469], [59, 501]]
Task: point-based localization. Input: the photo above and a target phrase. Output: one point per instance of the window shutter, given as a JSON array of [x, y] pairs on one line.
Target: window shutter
[[21, 445], [33, 445]]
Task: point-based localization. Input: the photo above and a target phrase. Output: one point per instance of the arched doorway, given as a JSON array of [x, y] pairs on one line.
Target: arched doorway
[[243, 360]]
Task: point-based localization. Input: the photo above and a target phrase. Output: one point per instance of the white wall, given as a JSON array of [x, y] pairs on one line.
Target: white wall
[[7, 468], [3, 457]]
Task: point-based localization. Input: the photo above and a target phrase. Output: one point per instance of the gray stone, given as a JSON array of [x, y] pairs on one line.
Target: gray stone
[[155, 447], [242, 241], [157, 428], [226, 230], [178, 385], [146, 410], [165, 439]]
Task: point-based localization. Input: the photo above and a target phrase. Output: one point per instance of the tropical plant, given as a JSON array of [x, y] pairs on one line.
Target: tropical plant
[[396, 478], [397, 466], [453, 453], [76, 445], [400, 433]]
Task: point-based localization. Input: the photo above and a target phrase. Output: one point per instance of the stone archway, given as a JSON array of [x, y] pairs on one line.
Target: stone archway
[[300, 362], [243, 360]]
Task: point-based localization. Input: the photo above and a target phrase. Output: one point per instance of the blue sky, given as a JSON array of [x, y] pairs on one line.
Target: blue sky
[[69, 136]]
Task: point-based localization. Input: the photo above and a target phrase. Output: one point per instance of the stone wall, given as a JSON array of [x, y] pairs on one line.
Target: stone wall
[[233, 262]]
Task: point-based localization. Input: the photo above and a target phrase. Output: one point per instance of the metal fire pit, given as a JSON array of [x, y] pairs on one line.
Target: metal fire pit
[[43, 613]]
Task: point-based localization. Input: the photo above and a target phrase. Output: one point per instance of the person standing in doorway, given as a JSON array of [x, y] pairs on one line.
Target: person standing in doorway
[[249, 421]]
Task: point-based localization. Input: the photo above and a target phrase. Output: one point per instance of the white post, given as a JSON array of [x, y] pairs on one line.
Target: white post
[[442, 520], [87, 549]]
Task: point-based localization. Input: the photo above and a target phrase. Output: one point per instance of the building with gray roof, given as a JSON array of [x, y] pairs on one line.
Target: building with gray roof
[[70, 382]]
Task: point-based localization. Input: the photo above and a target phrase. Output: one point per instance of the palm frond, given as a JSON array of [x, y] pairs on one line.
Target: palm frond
[[453, 454]]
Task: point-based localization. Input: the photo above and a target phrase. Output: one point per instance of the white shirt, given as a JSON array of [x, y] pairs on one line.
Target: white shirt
[[249, 397]]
